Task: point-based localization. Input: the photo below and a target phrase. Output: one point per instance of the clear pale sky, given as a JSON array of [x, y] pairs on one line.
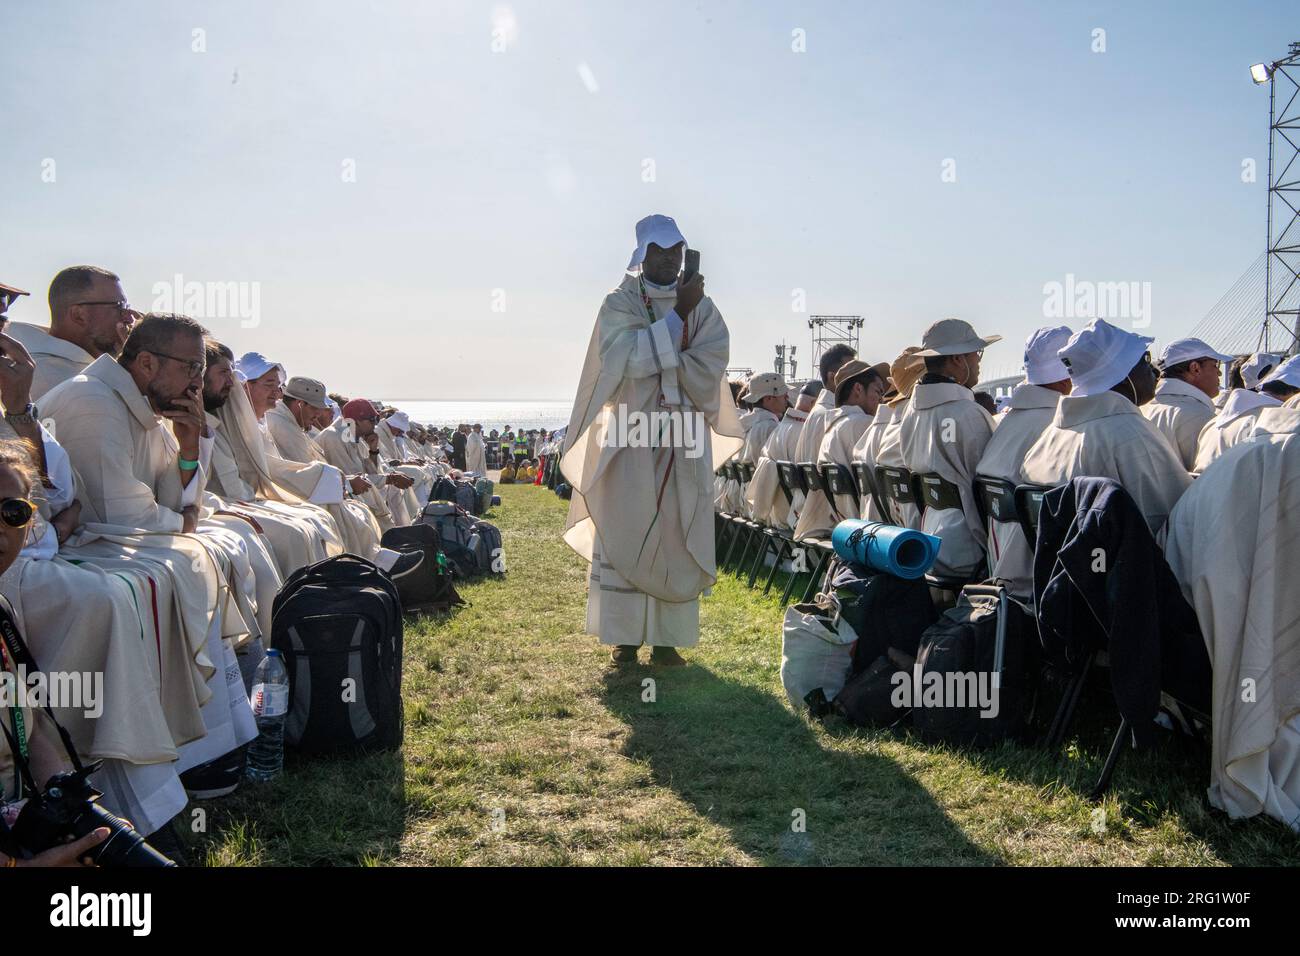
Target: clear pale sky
[[512, 179]]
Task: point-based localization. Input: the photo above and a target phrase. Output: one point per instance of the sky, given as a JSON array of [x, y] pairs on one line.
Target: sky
[[430, 199]]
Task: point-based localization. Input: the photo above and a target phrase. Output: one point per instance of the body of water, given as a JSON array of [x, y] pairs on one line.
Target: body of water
[[526, 415]]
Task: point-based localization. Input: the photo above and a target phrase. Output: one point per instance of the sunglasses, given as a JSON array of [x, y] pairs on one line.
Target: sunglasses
[[16, 512]]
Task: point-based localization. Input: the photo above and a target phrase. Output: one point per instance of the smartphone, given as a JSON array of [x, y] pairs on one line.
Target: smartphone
[[692, 265]]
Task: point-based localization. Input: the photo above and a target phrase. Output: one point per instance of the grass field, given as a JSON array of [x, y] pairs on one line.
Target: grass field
[[524, 747]]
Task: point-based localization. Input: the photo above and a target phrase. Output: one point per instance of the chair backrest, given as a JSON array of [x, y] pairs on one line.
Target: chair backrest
[[867, 488], [995, 498], [746, 471], [731, 471], [812, 477], [897, 488], [790, 477], [1029, 501], [838, 480]]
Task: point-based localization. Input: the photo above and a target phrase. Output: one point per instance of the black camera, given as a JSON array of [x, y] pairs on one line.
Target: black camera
[[68, 808]]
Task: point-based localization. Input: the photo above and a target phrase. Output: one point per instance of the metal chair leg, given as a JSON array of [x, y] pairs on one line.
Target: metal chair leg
[[1069, 702], [734, 538], [794, 575], [815, 580], [1108, 769], [766, 540], [776, 565]]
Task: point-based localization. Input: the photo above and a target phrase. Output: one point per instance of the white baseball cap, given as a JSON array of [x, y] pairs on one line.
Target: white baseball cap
[[1258, 366], [762, 385], [661, 230], [1187, 350], [1100, 356], [1042, 365]]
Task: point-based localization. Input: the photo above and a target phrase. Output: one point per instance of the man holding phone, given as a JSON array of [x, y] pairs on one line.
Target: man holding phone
[[642, 505]]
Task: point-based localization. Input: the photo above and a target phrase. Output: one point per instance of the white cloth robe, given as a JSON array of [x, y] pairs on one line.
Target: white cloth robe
[[809, 444], [867, 452], [1105, 436], [761, 427], [200, 584], [57, 360], [1179, 411], [844, 428], [1029, 412], [356, 522], [727, 491], [352, 457], [415, 497], [890, 452], [767, 502], [476, 453], [944, 431], [643, 516], [1233, 544], [1232, 424]]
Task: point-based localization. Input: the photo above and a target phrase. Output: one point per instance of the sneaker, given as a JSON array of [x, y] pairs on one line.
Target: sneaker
[[666, 657], [623, 654], [408, 562], [216, 778]]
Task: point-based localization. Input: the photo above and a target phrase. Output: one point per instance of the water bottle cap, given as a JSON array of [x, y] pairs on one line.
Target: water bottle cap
[[273, 652]]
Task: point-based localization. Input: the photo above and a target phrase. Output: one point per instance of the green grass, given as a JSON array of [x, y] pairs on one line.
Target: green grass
[[524, 747]]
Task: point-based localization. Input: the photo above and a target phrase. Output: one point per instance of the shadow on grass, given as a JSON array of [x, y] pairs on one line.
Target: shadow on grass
[[747, 763], [322, 811]]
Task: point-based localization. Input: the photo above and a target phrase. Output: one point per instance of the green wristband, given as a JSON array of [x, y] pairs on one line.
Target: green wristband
[[186, 464]]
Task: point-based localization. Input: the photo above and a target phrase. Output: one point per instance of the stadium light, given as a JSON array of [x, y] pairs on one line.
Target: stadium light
[[1261, 73]]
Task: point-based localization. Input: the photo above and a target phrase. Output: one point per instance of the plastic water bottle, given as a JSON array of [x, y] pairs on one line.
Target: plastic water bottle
[[270, 703]]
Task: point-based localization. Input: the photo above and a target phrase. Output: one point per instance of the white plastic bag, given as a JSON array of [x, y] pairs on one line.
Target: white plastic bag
[[816, 650]]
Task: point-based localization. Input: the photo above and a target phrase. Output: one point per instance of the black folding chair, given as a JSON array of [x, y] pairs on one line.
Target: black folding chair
[[995, 499], [867, 489], [812, 484], [896, 488], [838, 480], [1028, 503]]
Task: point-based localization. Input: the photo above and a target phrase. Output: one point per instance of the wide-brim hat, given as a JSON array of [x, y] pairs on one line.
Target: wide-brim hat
[[905, 373], [854, 368], [953, 337]]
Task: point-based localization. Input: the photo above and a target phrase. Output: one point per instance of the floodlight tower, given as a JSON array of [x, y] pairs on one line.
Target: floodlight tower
[[1282, 262], [828, 330], [785, 361]]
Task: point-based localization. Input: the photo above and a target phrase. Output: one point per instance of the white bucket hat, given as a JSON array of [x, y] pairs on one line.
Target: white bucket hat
[[953, 337], [661, 230], [1288, 373], [1042, 365], [253, 365], [1100, 356]]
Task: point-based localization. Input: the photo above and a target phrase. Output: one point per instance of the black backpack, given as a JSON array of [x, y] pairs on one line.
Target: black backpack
[[429, 587], [338, 624], [458, 536], [885, 611], [492, 553], [959, 654]]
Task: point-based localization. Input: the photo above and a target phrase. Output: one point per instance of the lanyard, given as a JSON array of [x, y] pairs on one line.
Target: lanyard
[[20, 730], [645, 300]]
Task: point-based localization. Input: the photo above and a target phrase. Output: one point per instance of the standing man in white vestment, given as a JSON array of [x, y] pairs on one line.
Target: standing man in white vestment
[[476, 452], [1029, 412], [642, 506], [1190, 373]]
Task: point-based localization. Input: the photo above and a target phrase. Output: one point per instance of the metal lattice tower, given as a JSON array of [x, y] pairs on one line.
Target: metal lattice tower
[[828, 330], [1282, 263]]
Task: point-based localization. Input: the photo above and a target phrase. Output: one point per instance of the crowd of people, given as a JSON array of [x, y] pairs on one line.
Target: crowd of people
[[1208, 467], [158, 490]]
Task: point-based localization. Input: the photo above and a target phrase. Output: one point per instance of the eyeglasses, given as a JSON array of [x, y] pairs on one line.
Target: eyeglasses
[[195, 368], [16, 512], [120, 304]]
